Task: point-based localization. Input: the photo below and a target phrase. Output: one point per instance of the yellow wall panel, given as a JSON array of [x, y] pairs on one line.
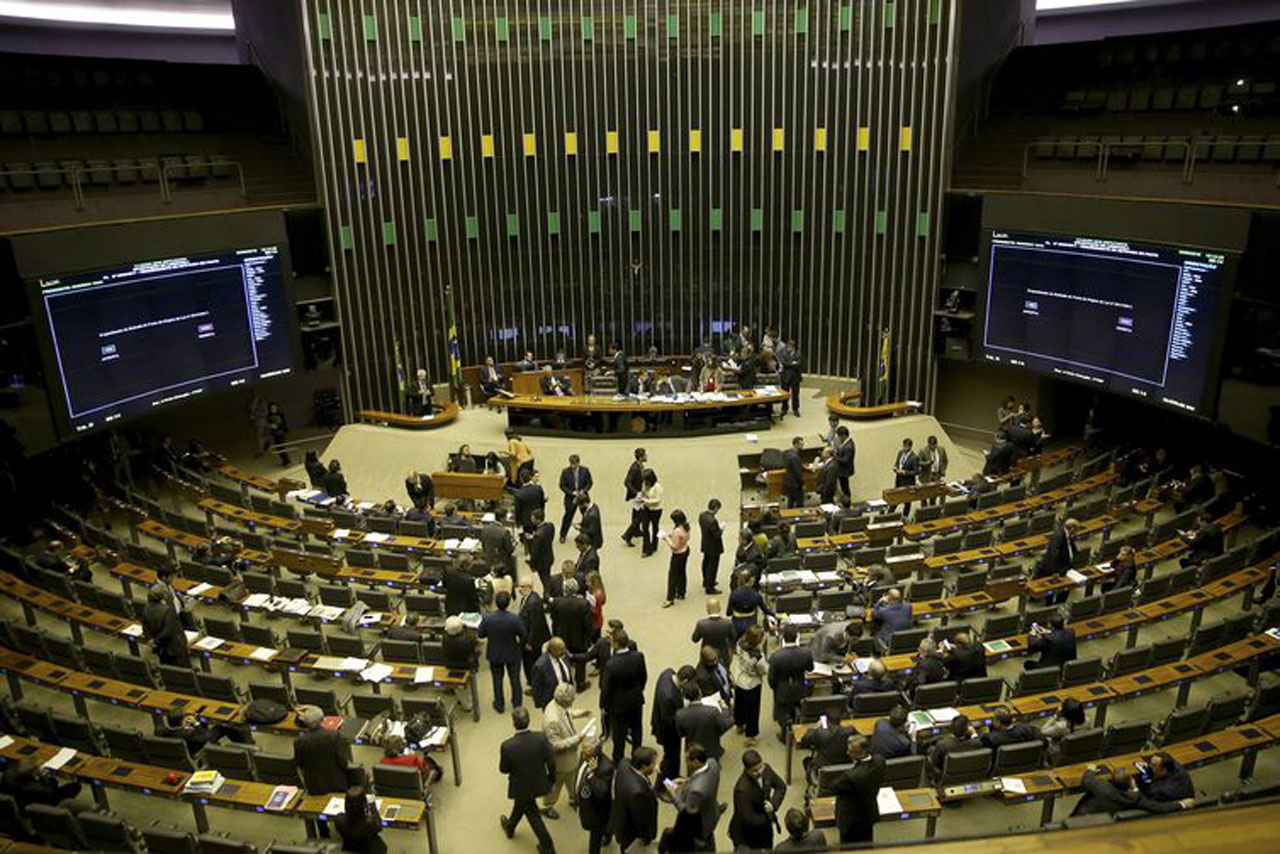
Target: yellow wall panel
[[695, 141], [486, 145], [864, 139], [358, 151], [611, 142], [904, 138], [737, 139], [570, 143], [446, 148], [819, 139], [655, 141], [402, 148], [530, 145], [779, 139]]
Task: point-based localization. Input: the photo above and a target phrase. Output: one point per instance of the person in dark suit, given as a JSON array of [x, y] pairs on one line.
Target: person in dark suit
[[410, 631], [827, 745], [163, 628], [928, 668], [459, 650], [1056, 644], [335, 483], [701, 724], [906, 465], [1124, 570], [460, 594], [856, 791], [541, 547], [716, 631], [530, 765], [1198, 489], [359, 826], [799, 835], [834, 643], [594, 789], [622, 693], [697, 805], [889, 738], [876, 681], [1058, 557], [635, 805], [712, 546], [828, 481], [845, 452], [633, 483], [527, 497], [787, 667], [965, 659], [490, 377], [571, 620], [1004, 731], [668, 701], [960, 736], [507, 634], [552, 385], [890, 614], [790, 374], [322, 755], [1118, 794], [1204, 542], [588, 558], [591, 526], [533, 616], [713, 675], [568, 570], [1167, 780], [421, 393], [1000, 456], [420, 488], [621, 373], [575, 480], [552, 669], [499, 548], [793, 473], [757, 797]]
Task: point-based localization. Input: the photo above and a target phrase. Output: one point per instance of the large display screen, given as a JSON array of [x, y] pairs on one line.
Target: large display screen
[[127, 340], [1129, 318]]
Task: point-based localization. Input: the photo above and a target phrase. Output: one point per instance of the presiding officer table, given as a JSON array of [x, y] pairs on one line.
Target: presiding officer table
[[604, 415]]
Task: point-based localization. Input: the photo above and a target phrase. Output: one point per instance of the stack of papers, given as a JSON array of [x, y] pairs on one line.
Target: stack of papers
[[1104, 567], [376, 672], [424, 674], [328, 613], [435, 737], [263, 653], [887, 802], [943, 716], [1274, 633], [376, 537], [209, 643], [798, 619], [829, 576], [5, 741], [296, 607], [198, 589], [203, 783], [304, 494], [469, 544], [822, 669], [337, 806], [489, 517], [470, 619], [133, 630], [353, 664], [1013, 784], [369, 618], [340, 533], [62, 757], [365, 506], [828, 508], [997, 646], [256, 600], [1075, 576]]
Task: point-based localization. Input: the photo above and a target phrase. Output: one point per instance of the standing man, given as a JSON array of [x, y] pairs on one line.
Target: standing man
[[635, 805], [533, 616], [905, 467], [575, 480], [550, 671], [789, 374], [594, 790], [634, 482], [828, 478], [757, 797], [697, 804], [793, 474], [571, 620], [588, 559], [845, 452], [715, 630], [498, 545], [831, 438], [591, 526], [787, 668], [712, 545], [564, 736], [527, 498], [933, 465], [529, 763], [668, 700], [701, 724], [622, 693], [421, 393], [856, 791], [1058, 557], [541, 548], [506, 634]]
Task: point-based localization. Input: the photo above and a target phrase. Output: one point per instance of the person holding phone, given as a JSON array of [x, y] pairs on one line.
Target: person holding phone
[[360, 826]]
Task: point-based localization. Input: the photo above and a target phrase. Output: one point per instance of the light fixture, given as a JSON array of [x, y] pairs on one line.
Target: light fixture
[[117, 16], [1240, 81]]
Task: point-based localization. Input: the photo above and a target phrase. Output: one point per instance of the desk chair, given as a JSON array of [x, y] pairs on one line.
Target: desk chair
[[1081, 671], [1155, 589], [970, 582], [350, 646], [276, 693], [1036, 680], [424, 603], [370, 706], [397, 781], [1128, 661], [813, 708], [935, 695], [987, 689], [1002, 626], [925, 591], [63, 652], [1223, 712], [105, 832], [336, 595], [414, 528], [868, 557], [79, 734], [948, 544], [168, 752], [1020, 758], [124, 744], [927, 513], [796, 602], [1183, 724], [1118, 600], [259, 635], [906, 640], [965, 766], [875, 703], [835, 600], [259, 582], [1041, 523], [212, 843], [818, 561], [163, 840], [221, 688], [393, 560], [57, 826], [100, 662], [853, 524], [1125, 738], [955, 507], [361, 559], [325, 698], [233, 761], [979, 539], [222, 628], [35, 720], [1084, 609], [990, 499], [401, 652], [294, 588], [311, 640], [376, 600], [1080, 746], [903, 772], [275, 769], [181, 680]]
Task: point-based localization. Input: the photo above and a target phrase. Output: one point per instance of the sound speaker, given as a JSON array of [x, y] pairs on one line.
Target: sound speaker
[[961, 226]]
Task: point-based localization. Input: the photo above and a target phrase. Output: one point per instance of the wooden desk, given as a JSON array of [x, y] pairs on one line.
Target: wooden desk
[[916, 803], [248, 480], [977, 518], [529, 383], [845, 405], [442, 414], [602, 415], [474, 487], [250, 518], [173, 537]]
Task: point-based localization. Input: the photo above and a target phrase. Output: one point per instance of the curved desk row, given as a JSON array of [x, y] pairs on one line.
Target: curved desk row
[[441, 415], [603, 415], [843, 403]]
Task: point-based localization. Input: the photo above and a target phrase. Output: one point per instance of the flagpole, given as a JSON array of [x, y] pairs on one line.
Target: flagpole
[[453, 351]]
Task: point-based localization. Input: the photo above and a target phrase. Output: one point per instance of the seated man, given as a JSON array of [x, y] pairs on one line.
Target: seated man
[[1118, 794], [890, 738], [1004, 731], [56, 558], [528, 363], [875, 682], [1000, 456], [1056, 644], [890, 615], [195, 734], [960, 736], [1165, 780], [1204, 542], [490, 377], [552, 385]]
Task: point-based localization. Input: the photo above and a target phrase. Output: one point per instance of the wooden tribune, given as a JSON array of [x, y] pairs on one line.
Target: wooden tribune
[[843, 403], [442, 414], [476, 487]]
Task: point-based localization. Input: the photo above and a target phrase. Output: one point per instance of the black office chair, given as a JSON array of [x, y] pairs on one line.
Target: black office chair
[[935, 695], [875, 703], [1020, 758], [1036, 680], [1081, 671], [965, 766], [988, 689], [1126, 738], [1083, 745]]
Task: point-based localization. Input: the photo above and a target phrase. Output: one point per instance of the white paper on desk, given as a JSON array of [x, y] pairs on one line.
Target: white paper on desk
[[451, 544], [1104, 567], [132, 631], [339, 533], [337, 806], [328, 662], [263, 653], [468, 544], [1013, 784], [5, 741], [799, 619], [198, 589], [302, 494], [862, 665], [256, 600], [327, 502], [828, 576], [822, 669], [424, 674], [489, 517], [365, 505], [62, 757], [376, 672], [752, 437], [436, 737], [370, 617], [944, 715], [191, 637], [328, 613], [353, 663], [1075, 576], [209, 643], [877, 502], [887, 802], [376, 537], [828, 508], [298, 607]]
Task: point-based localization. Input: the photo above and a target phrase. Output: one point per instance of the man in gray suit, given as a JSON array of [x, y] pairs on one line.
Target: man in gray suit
[[833, 643], [697, 804], [565, 736], [499, 546]]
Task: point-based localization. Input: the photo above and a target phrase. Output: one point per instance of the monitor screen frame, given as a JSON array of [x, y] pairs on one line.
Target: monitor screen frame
[[1211, 385]]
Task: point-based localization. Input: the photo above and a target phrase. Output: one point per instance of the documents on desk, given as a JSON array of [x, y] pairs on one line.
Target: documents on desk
[[62, 757], [887, 802], [376, 672], [328, 613], [5, 741], [209, 643], [203, 783], [1013, 784], [369, 618], [202, 587], [263, 653], [1077, 577], [997, 646], [376, 537], [133, 630], [470, 619], [424, 674], [340, 533]]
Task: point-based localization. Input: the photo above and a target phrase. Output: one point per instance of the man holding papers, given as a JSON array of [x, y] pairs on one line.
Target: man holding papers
[[697, 804], [702, 720], [856, 791], [565, 737]]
